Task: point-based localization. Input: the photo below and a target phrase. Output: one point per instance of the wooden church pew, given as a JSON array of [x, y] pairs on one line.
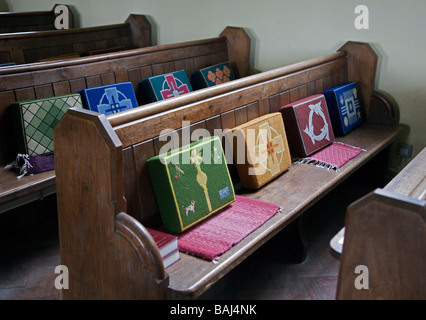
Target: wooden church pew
[[36, 46], [55, 78], [105, 196], [385, 233], [31, 21]]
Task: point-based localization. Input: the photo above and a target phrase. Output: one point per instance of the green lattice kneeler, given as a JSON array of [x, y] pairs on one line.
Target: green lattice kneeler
[[35, 120], [191, 183]]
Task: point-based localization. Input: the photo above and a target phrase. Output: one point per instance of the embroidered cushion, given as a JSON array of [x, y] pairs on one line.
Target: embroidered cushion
[[213, 75], [35, 120], [109, 99], [190, 183], [265, 154], [344, 108], [165, 86], [308, 125]]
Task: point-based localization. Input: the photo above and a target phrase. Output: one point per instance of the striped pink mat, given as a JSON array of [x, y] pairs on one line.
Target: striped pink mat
[[219, 233], [332, 157]]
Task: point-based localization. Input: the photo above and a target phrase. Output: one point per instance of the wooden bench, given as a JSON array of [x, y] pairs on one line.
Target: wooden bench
[[31, 21], [47, 79], [105, 199], [385, 231], [30, 47]]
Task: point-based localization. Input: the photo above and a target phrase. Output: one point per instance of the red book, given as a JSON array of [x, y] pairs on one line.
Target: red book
[[167, 244]]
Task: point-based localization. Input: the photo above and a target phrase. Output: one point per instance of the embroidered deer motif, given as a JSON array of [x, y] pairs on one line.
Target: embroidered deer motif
[[191, 207]]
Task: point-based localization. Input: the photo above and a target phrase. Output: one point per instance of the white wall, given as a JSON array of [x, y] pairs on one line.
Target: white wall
[[288, 31]]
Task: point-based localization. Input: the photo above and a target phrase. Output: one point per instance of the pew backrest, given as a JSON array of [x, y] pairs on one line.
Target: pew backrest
[[38, 46], [11, 22], [385, 239]]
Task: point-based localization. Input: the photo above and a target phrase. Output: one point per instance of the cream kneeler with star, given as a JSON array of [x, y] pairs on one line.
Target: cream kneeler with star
[[266, 154]]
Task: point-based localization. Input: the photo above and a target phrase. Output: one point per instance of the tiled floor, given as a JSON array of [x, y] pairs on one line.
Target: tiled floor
[[27, 266]]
